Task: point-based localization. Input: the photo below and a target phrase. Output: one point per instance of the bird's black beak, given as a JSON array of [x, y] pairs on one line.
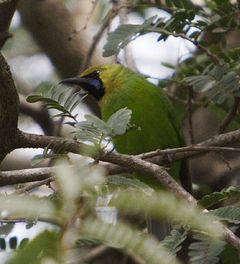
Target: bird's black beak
[[75, 81]]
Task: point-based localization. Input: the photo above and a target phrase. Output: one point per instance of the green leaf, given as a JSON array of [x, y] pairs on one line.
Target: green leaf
[[230, 255], [96, 130], [205, 251], [59, 98], [129, 239], [219, 83], [88, 241], [45, 245], [228, 213], [83, 178], [216, 197], [174, 240], [119, 121], [26, 207], [163, 205], [119, 38], [49, 152], [97, 123], [120, 180]]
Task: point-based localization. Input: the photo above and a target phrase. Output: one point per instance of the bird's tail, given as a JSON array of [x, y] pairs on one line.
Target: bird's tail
[[160, 229]]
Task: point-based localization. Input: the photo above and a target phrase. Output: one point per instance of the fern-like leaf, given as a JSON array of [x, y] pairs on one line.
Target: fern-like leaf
[[205, 251], [228, 213], [174, 240], [59, 98], [95, 130], [124, 181], [50, 153], [216, 197], [162, 205], [128, 239]]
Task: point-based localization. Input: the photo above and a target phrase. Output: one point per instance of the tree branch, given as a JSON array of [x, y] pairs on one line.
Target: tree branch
[[9, 109], [26, 140], [7, 10], [32, 186], [23, 176]]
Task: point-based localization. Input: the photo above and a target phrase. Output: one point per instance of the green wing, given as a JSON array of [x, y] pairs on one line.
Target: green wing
[[152, 112]]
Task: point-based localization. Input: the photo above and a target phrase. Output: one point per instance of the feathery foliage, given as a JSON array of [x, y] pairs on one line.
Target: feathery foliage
[[95, 130], [217, 197], [130, 240], [205, 251], [228, 213], [174, 240], [59, 98]]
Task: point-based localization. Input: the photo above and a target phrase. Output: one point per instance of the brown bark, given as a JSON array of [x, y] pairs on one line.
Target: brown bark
[[9, 108], [51, 25], [7, 10]]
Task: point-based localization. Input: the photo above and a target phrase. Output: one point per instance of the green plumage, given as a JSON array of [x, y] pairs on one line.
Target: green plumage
[[151, 111]]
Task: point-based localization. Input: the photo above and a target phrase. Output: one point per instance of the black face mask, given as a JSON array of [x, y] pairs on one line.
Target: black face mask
[[90, 83]]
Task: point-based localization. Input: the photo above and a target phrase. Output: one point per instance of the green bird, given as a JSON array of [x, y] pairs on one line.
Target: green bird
[[114, 87]]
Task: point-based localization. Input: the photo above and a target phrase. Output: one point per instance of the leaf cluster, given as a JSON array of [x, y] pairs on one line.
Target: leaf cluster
[[59, 98], [77, 201], [95, 130]]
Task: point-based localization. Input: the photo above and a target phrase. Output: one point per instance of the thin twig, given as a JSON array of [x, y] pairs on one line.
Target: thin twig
[[97, 37], [196, 148], [212, 56], [24, 220], [33, 186], [230, 116], [77, 31]]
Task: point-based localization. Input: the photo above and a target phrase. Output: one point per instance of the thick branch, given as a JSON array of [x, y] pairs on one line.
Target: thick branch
[[218, 140], [25, 140], [23, 176], [7, 10], [9, 104], [148, 168]]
